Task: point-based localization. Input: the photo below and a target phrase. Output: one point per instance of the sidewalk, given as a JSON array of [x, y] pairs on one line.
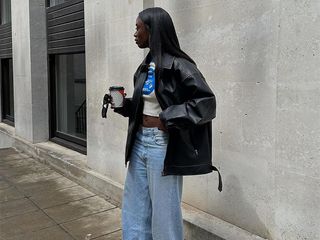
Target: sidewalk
[[37, 203]]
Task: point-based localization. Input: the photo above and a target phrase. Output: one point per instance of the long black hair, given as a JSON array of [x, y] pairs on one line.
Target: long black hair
[[163, 37]]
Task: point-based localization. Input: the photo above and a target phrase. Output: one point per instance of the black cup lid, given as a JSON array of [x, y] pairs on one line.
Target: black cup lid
[[116, 88]]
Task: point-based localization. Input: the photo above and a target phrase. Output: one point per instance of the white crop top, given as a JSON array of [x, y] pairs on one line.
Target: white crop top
[[151, 104]]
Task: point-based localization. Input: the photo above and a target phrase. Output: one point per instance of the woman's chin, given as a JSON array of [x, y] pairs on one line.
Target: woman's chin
[[141, 45]]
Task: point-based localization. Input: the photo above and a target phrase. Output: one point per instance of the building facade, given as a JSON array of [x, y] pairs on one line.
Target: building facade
[[261, 58]]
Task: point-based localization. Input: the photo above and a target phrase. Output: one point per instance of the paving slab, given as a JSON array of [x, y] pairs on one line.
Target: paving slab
[[14, 156], [17, 162], [16, 207], [4, 184], [53, 198], [30, 189], [77, 209], [98, 224], [10, 171], [51, 233], [10, 193], [112, 236], [34, 177], [7, 151], [24, 223], [37, 203]]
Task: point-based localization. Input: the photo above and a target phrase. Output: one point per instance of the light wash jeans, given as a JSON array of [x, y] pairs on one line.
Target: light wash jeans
[[151, 206]]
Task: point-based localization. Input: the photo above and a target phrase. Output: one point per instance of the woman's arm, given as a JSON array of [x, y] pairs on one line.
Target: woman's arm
[[200, 107]]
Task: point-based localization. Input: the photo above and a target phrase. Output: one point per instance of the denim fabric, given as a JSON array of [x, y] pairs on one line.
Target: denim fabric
[[151, 206]]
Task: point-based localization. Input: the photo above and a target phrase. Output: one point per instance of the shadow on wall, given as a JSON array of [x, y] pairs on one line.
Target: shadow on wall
[[237, 209]]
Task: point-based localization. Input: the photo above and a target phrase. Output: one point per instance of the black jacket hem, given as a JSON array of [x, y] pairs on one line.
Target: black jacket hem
[[188, 170], [192, 170]]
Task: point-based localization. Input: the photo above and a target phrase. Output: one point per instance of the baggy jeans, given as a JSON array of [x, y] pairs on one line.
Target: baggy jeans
[[151, 205]]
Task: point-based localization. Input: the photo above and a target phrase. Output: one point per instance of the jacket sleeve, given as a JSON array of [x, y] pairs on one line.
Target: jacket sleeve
[[126, 110], [199, 108]]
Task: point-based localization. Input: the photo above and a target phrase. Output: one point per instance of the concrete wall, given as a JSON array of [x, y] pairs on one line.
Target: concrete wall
[[235, 46], [262, 60], [111, 59], [5, 141], [30, 74], [297, 182]]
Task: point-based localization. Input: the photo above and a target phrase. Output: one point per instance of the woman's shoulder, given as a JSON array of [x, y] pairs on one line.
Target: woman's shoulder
[[184, 67]]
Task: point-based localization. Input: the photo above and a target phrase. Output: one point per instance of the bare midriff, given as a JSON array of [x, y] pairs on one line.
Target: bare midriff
[[151, 122]]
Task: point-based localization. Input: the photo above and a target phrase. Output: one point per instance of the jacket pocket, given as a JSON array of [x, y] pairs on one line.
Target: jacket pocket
[[188, 140], [191, 139]]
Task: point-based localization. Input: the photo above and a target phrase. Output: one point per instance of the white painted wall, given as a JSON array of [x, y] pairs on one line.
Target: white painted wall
[[262, 60]]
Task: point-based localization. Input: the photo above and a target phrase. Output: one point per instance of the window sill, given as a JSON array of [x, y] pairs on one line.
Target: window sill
[[8, 122], [70, 145]]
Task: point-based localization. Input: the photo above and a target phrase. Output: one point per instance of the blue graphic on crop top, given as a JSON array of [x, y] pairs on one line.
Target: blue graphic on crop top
[[149, 84]]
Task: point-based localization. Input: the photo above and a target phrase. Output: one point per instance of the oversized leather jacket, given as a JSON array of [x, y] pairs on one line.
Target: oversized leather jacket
[[188, 106]]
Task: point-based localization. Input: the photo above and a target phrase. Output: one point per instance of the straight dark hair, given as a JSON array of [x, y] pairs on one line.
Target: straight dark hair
[[163, 37]]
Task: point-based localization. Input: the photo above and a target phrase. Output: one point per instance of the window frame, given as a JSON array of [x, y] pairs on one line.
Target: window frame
[[48, 3], [57, 45], [69, 141], [10, 17]]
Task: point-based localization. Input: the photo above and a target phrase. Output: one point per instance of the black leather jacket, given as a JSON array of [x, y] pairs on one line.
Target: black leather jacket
[[188, 106]]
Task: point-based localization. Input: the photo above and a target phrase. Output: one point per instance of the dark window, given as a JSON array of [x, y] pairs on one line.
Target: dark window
[[7, 91], [68, 83], [51, 3], [5, 11]]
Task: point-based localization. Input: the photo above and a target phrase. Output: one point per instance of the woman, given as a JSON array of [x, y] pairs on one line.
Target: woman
[[169, 133]]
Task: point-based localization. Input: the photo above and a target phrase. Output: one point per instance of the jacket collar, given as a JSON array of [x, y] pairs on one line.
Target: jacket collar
[[167, 61]]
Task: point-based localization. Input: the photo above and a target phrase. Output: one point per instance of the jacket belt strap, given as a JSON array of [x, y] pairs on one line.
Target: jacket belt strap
[[220, 179]]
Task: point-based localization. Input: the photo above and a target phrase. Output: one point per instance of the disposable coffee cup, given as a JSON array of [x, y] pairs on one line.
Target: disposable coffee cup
[[117, 94]]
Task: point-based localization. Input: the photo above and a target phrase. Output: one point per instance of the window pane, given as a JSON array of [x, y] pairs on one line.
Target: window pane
[[71, 94], [10, 78], [5, 7], [7, 89]]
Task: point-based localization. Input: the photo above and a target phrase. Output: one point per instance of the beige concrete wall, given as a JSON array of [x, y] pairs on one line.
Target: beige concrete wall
[[5, 141], [262, 60], [235, 46], [21, 63], [297, 211], [30, 72], [111, 59]]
